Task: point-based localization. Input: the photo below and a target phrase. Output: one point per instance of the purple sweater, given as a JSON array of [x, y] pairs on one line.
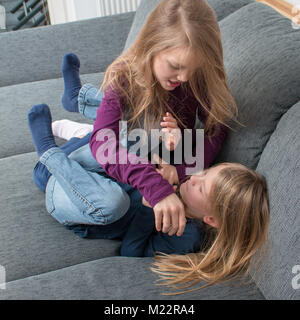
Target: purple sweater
[[143, 176]]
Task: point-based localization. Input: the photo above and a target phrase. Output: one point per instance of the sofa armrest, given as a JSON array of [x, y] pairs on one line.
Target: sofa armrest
[[35, 54]]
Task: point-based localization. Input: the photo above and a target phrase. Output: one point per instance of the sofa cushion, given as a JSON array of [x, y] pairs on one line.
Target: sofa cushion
[[31, 241], [141, 15], [36, 53], [261, 52], [225, 8], [280, 163], [16, 101], [114, 278], [222, 9]]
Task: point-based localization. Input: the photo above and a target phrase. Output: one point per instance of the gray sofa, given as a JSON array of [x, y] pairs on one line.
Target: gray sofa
[[43, 260]]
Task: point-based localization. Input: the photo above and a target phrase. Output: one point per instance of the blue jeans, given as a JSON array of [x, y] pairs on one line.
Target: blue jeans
[[78, 190], [76, 195], [89, 99]]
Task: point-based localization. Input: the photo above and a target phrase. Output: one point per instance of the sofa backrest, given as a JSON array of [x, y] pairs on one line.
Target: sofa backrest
[[43, 48], [262, 62], [278, 274]]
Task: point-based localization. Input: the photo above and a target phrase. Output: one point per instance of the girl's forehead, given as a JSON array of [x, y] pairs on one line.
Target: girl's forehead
[[183, 56], [182, 53]]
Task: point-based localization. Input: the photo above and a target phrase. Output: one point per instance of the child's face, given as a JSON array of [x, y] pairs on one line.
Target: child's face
[[195, 192], [171, 67]]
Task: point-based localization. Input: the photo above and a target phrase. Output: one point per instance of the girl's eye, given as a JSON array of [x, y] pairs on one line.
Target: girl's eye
[[173, 67]]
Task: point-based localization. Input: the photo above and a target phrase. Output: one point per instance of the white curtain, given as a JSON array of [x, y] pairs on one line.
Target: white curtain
[[2, 18]]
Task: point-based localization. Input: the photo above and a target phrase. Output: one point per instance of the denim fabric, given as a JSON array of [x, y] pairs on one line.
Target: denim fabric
[[77, 196], [115, 230], [84, 157], [41, 174], [89, 100]]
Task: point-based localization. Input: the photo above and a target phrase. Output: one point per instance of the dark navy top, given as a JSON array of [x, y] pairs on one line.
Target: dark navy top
[[137, 231]]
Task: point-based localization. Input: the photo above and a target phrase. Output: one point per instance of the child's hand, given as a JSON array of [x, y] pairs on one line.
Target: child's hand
[[166, 170], [172, 133], [147, 204]]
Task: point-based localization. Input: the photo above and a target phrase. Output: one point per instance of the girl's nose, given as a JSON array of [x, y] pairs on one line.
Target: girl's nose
[[194, 179], [183, 76]]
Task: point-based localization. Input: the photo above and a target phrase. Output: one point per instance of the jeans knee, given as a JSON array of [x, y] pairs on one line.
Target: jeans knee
[[118, 208], [122, 206], [113, 210]]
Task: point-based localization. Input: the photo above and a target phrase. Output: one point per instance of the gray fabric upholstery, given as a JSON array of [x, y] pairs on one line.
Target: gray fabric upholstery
[[260, 57], [104, 38], [31, 241], [225, 8], [142, 13], [280, 163], [221, 8], [16, 101], [42, 259], [114, 279]]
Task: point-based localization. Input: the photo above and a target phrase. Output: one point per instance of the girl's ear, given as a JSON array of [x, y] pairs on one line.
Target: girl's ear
[[211, 221]]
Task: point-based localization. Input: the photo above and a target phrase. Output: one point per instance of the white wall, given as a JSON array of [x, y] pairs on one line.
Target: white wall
[[294, 2], [61, 11], [2, 18]]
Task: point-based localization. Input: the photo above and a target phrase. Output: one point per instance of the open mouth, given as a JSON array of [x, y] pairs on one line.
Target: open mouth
[[174, 84]]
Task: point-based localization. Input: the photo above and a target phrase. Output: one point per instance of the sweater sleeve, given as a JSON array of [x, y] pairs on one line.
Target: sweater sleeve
[[114, 158], [211, 147], [142, 240]]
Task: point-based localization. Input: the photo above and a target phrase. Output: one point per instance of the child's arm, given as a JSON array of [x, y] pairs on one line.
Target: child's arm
[[127, 168], [167, 171], [141, 239]]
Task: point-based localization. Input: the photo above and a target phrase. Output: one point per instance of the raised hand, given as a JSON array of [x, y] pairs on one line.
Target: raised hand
[[172, 133]]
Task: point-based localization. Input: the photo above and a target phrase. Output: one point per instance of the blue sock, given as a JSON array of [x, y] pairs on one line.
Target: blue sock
[[70, 70], [39, 121]]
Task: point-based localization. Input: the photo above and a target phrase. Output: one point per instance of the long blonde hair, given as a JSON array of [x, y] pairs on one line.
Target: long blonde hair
[[173, 24], [239, 201]]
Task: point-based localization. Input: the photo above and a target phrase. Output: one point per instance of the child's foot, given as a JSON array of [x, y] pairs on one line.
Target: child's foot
[[70, 70], [39, 121]]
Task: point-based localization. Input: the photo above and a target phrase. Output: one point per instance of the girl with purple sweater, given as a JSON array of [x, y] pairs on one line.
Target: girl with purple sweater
[[175, 65]]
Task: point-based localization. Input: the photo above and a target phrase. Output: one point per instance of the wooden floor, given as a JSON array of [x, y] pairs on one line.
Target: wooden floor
[[285, 8]]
